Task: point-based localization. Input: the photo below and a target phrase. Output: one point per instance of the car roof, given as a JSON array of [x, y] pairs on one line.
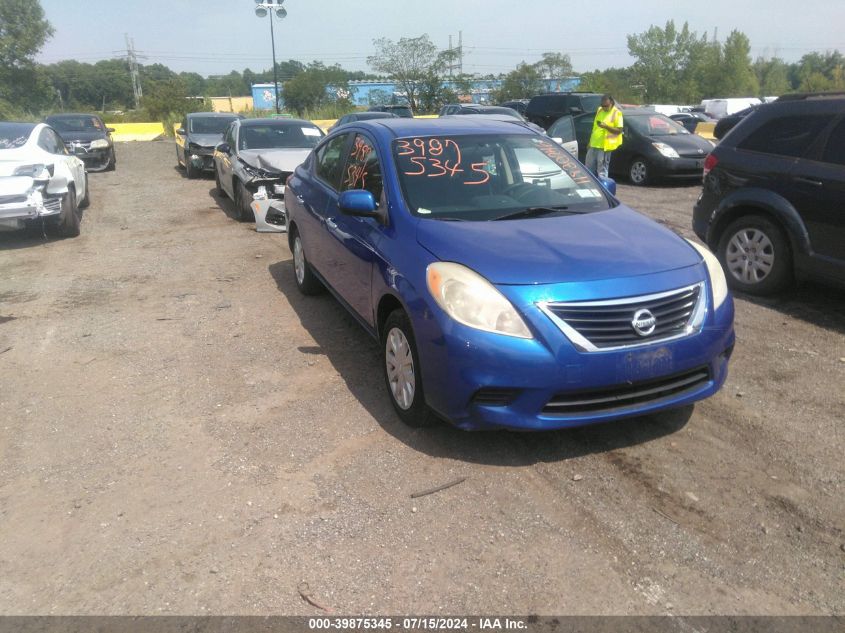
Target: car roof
[[60, 115], [401, 127], [18, 127], [213, 114], [280, 122]]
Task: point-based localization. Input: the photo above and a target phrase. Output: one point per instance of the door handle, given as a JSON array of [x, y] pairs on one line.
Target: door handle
[[808, 181]]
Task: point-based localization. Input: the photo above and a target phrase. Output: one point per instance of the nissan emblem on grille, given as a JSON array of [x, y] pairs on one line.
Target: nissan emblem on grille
[[643, 322]]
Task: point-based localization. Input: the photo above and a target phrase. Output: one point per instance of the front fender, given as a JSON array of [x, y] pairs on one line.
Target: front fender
[[769, 203], [58, 184]]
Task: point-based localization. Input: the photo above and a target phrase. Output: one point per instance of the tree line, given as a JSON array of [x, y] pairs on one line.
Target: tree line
[[672, 65]]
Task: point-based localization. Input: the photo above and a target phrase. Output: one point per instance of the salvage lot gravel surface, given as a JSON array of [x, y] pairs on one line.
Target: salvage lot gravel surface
[[182, 432]]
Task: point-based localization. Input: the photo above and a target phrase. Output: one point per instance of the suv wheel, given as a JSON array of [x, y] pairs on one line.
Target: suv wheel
[[638, 171], [756, 256]]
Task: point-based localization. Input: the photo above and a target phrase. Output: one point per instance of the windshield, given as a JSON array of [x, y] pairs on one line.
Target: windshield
[[13, 135], [209, 124], [491, 176], [279, 136], [76, 124], [655, 125]]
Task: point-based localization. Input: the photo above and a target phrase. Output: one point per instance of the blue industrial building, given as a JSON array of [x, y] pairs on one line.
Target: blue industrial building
[[367, 93]]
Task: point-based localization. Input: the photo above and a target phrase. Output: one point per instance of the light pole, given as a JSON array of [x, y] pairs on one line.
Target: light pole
[[268, 7]]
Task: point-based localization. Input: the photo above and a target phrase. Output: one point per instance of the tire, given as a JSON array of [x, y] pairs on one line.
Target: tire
[[220, 191], [755, 255], [243, 212], [86, 201], [306, 280], [112, 161], [402, 375], [190, 170], [68, 222], [639, 172]]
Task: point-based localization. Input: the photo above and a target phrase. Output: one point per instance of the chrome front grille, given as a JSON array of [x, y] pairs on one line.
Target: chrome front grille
[[631, 321]]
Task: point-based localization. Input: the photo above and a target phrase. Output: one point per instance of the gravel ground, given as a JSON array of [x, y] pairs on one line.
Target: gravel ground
[[181, 432]]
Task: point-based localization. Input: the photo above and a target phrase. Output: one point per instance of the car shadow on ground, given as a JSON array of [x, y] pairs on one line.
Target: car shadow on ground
[[356, 357], [815, 303]]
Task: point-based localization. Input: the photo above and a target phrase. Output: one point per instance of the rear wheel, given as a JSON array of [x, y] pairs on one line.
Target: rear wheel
[[755, 253], [639, 171], [68, 223], [306, 280], [402, 371]]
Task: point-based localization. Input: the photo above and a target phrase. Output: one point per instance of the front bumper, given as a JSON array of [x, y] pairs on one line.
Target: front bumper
[[22, 200], [95, 159], [480, 380], [201, 159]]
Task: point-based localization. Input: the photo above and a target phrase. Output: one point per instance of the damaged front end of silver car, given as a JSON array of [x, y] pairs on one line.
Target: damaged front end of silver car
[[267, 187]]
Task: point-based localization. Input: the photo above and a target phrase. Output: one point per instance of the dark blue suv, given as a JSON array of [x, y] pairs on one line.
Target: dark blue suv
[[507, 286]]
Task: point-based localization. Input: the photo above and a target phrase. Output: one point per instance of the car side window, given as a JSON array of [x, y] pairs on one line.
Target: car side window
[[58, 143], [363, 169], [786, 136], [330, 160], [834, 151], [47, 142]]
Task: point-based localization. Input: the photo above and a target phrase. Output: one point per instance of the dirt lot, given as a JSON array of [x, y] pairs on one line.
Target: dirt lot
[[182, 432]]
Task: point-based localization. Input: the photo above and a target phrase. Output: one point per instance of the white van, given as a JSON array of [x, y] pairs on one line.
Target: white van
[[718, 108]]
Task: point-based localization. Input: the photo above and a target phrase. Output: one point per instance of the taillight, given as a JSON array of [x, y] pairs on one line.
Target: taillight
[[709, 163]]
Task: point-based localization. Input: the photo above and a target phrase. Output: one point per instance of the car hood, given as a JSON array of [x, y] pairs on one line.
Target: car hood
[[684, 143], [286, 159], [205, 140], [85, 137], [603, 245]]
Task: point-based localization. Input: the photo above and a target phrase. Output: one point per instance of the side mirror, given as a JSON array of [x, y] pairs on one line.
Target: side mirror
[[609, 184], [358, 202], [181, 131], [223, 148]]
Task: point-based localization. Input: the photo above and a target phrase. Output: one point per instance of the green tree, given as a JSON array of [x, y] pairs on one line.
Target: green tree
[[317, 86], [23, 31], [737, 75], [523, 82], [773, 76], [663, 61], [554, 66], [411, 62], [169, 99], [194, 83]]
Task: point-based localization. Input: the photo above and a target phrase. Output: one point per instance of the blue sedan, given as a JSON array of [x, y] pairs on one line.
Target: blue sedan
[[508, 287]]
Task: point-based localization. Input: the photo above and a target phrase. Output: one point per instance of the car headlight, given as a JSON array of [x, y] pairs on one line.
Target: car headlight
[[666, 150], [716, 274], [33, 171], [472, 300], [100, 143]]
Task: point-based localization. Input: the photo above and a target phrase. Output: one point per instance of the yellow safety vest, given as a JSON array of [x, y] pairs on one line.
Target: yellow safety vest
[[601, 138]]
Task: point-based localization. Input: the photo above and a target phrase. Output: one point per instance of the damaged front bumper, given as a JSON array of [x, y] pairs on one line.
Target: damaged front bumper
[[24, 199], [268, 205], [201, 158]]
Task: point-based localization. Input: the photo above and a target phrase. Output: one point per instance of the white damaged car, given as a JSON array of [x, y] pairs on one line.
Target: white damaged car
[[41, 185], [254, 161]]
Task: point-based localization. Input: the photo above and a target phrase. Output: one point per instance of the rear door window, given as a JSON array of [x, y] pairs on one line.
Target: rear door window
[[834, 150], [786, 136]]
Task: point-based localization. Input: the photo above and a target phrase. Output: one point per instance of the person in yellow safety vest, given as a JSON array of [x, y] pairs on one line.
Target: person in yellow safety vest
[[606, 136]]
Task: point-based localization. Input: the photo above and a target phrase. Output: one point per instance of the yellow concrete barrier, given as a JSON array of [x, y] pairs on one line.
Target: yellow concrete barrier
[[324, 124], [705, 129], [136, 131]]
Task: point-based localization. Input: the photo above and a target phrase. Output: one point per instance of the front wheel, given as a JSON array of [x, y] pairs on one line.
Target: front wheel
[[638, 172], [190, 170], [756, 256], [243, 198], [220, 190], [86, 201], [402, 374], [112, 161]]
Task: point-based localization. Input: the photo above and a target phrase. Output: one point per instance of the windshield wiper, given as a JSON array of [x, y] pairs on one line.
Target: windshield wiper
[[532, 212]]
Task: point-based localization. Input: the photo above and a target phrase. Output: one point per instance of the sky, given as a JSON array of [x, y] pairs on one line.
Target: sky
[[213, 37]]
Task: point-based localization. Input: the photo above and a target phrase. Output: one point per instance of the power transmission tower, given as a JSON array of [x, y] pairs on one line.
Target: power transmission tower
[[456, 56], [133, 71]]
